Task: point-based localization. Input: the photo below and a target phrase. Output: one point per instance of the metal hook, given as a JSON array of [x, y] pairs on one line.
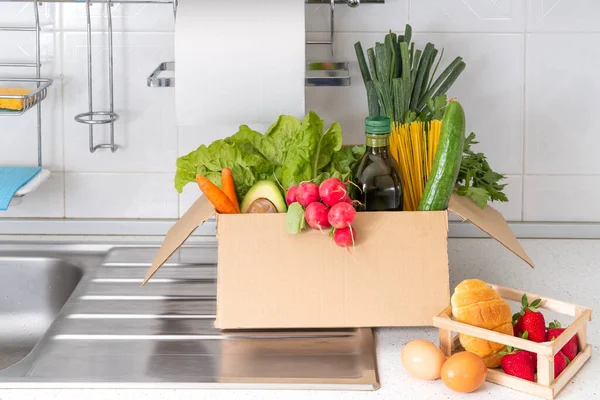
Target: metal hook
[[104, 117], [332, 26]]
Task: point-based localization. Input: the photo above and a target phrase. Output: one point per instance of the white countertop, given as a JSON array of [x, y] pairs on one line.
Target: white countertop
[[567, 270]]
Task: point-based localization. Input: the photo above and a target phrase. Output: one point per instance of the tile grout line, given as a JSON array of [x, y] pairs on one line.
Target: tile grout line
[[510, 32], [178, 155], [59, 10], [523, 155]]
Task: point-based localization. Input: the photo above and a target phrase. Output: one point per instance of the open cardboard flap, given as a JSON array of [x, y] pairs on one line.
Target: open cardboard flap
[[196, 215], [487, 219], [490, 221]]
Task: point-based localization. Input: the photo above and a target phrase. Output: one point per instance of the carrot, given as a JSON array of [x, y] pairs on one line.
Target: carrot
[[229, 187], [216, 196]]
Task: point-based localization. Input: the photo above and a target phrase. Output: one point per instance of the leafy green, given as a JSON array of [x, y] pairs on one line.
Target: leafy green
[[476, 179], [290, 152], [294, 220], [329, 143], [400, 80], [247, 168], [436, 106]]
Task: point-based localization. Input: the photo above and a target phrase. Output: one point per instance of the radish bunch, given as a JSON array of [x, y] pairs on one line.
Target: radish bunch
[[326, 206]]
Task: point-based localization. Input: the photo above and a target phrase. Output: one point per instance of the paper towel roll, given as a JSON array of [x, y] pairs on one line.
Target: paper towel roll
[[239, 61]]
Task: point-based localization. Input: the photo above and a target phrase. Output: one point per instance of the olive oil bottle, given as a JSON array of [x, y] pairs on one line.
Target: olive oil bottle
[[377, 176]]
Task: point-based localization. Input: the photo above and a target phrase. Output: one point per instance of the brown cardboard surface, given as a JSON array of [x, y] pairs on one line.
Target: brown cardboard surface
[[397, 275], [195, 216], [490, 221]]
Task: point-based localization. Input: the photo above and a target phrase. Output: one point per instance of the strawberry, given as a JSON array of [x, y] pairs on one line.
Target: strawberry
[[525, 335], [518, 363], [560, 363], [530, 320], [517, 325], [570, 349]]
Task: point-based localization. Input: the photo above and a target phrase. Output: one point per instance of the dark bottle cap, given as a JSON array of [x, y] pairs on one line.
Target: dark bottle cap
[[377, 125]]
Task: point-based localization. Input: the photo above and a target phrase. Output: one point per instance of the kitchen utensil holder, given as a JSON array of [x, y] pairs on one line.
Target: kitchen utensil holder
[[94, 117], [35, 97]]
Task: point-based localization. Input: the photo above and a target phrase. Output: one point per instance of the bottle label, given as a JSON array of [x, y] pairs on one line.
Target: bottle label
[[377, 140]]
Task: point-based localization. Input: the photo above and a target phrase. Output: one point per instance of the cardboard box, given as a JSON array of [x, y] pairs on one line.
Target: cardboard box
[[397, 275]]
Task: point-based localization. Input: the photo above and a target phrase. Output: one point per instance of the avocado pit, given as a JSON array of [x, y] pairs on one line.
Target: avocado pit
[[262, 206]]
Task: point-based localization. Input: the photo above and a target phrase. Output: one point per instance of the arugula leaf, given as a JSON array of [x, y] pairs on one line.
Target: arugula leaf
[[476, 179]]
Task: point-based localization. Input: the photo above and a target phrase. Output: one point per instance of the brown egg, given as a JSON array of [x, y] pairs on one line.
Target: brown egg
[[422, 359], [464, 372]]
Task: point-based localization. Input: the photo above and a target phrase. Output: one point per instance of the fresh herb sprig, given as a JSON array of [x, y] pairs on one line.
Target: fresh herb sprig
[[476, 179]]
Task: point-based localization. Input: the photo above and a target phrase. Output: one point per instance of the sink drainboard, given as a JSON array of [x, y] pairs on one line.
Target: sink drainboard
[[113, 333]]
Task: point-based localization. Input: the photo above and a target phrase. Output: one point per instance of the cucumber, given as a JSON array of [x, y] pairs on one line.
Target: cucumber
[[446, 163]]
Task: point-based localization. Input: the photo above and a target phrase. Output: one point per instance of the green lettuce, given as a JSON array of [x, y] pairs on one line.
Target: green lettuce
[[290, 152]]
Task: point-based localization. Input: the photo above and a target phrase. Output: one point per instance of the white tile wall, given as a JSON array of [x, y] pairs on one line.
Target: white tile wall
[[367, 17], [561, 198], [562, 119], [491, 90], [125, 17], [529, 91], [21, 14], [563, 15], [146, 131], [120, 195], [468, 16]]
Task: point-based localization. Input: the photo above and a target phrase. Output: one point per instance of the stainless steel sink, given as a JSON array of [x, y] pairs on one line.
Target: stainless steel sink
[[75, 316], [32, 293]]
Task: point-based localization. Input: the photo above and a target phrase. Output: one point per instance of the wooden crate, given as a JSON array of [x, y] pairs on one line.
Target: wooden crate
[[546, 386]]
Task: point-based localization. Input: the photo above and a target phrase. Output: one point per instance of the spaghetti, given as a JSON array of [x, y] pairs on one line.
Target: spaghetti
[[413, 147]]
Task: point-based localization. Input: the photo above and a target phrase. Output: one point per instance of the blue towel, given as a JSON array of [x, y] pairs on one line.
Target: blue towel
[[11, 180]]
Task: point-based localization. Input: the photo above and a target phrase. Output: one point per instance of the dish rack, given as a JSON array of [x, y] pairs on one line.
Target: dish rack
[[38, 84], [39, 90], [329, 73]]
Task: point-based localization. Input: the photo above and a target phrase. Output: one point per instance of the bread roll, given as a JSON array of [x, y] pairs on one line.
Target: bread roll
[[476, 303]]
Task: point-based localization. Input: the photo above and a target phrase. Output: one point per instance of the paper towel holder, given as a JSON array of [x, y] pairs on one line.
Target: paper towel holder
[[328, 73]]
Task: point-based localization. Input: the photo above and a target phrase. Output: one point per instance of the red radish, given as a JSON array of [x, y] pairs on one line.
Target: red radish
[[344, 237], [307, 193], [290, 196], [347, 199], [341, 215], [332, 191], [316, 215]]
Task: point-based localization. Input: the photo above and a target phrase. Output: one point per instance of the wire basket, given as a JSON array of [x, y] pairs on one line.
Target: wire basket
[[27, 101]]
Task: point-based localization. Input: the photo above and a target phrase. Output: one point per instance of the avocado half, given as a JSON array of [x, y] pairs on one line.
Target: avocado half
[[254, 201]]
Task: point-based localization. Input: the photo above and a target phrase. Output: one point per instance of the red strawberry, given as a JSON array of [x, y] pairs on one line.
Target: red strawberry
[[517, 325], [560, 363], [530, 320], [518, 363], [525, 335], [570, 349]]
